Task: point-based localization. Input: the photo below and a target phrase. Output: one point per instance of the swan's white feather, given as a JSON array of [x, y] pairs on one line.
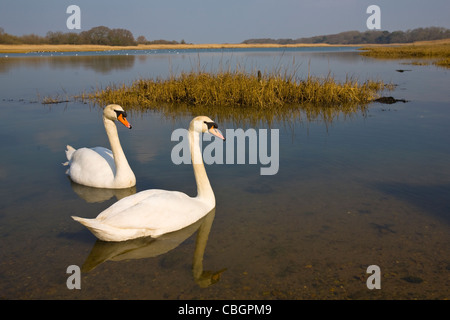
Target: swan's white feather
[[92, 167], [69, 151]]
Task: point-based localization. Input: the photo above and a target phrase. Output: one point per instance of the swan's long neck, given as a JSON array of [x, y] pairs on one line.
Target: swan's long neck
[[122, 167], [204, 190]]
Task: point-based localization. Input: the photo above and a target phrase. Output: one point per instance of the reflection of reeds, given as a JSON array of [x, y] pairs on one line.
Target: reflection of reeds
[[440, 52], [253, 117], [443, 62], [237, 89]]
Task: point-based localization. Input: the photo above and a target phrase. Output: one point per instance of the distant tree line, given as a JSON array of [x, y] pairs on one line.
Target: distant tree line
[[143, 40], [372, 36], [98, 35]]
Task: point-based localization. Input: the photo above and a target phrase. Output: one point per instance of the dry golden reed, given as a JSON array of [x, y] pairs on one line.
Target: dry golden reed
[[237, 89], [439, 53]]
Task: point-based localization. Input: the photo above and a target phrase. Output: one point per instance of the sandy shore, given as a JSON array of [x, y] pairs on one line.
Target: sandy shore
[[24, 48]]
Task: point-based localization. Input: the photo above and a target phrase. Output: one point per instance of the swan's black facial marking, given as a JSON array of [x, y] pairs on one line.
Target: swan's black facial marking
[[120, 112], [211, 124]]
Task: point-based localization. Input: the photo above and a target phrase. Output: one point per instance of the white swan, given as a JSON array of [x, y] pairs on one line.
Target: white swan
[[156, 212], [100, 167]]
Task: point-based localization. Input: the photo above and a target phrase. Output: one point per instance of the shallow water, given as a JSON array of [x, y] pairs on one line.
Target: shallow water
[[366, 189]]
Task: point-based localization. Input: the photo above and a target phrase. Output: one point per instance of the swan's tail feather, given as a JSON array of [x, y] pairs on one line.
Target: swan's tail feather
[[84, 221], [94, 226], [105, 232], [69, 152]]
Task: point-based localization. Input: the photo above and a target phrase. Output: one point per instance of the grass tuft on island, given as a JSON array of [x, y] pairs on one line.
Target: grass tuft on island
[[237, 89]]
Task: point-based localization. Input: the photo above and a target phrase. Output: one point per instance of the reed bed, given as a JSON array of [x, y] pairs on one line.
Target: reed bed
[[237, 89], [439, 53]]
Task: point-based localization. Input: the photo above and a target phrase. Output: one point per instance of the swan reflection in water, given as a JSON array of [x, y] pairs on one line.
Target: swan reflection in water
[[148, 247], [91, 194]]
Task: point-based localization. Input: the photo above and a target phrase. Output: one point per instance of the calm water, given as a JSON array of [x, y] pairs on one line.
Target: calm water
[[366, 189]]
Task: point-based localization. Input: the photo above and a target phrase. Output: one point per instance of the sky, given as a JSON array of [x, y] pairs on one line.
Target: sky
[[226, 21]]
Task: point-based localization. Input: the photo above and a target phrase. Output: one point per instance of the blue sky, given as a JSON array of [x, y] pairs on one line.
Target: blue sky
[[226, 21]]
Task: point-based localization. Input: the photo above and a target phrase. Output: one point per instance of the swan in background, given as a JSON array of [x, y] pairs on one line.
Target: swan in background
[[100, 167], [155, 212]]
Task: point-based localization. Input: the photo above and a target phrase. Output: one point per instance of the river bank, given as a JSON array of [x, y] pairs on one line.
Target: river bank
[[27, 48]]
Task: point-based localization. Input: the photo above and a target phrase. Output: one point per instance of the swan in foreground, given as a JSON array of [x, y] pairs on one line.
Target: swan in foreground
[[100, 167], [156, 212]]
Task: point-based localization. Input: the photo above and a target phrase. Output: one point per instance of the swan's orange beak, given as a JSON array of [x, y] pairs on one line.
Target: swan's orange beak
[[124, 121], [216, 132]]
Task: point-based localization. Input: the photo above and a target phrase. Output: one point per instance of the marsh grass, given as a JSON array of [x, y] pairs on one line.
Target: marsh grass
[[437, 53], [53, 100], [237, 90]]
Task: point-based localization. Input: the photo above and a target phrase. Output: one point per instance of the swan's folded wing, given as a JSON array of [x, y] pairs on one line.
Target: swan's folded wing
[[126, 203], [106, 154], [88, 166], [158, 211]]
